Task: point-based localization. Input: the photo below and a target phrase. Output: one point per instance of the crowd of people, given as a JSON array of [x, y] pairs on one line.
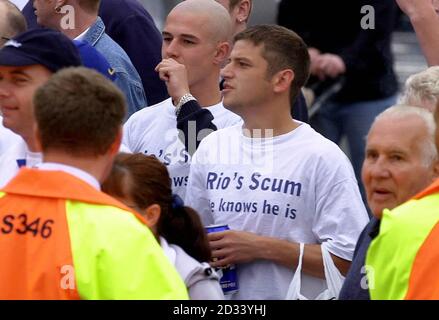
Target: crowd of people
[[120, 146]]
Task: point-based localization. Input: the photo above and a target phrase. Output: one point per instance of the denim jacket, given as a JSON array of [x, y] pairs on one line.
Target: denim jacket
[[127, 77]]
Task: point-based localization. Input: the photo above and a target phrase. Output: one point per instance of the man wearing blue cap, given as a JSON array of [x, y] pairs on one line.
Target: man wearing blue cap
[[27, 61]]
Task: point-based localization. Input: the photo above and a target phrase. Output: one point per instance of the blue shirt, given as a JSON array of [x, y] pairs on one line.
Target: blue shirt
[[354, 286]]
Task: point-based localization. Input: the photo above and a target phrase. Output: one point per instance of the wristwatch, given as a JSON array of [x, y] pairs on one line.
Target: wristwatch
[[184, 99]]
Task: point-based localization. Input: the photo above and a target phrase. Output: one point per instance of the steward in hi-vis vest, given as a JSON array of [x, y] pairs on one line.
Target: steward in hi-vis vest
[[60, 238], [403, 259]]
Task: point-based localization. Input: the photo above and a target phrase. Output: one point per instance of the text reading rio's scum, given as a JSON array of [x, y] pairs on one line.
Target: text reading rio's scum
[[220, 310]]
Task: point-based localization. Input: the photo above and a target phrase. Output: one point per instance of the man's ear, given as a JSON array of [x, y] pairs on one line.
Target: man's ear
[[282, 80], [59, 4], [243, 11], [152, 216], [115, 146], [221, 53]]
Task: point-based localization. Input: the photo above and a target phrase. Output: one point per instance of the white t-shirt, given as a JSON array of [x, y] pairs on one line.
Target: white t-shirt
[[153, 131], [16, 156], [7, 138], [298, 187]]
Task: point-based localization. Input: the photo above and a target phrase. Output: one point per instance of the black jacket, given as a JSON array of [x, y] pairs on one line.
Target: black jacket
[[335, 27]]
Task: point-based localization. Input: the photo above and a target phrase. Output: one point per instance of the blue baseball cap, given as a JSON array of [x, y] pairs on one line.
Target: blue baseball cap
[[41, 46], [93, 59]]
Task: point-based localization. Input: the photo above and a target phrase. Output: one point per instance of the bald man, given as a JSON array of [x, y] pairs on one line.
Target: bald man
[[195, 46]]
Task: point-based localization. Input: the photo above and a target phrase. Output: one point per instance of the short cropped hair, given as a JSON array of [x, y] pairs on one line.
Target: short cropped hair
[[15, 21], [80, 112], [429, 151], [233, 3], [282, 49], [422, 89]]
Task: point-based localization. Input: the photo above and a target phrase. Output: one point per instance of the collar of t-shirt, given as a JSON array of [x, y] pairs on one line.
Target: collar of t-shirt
[[78, 173], [82, 35], [217, 109], [30, 159], [256, 140]]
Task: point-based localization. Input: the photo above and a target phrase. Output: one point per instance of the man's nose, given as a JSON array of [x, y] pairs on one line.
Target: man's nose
[[171, 49], [380, 169], [4, 91]]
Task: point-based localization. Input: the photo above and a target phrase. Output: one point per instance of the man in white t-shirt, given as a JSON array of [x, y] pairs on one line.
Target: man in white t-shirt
[[195, 45], [26, 62], [274, 181]]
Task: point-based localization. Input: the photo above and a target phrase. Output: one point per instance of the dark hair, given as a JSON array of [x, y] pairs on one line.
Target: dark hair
[[149, 183], [282, 49], [15, 21], [79, 111]]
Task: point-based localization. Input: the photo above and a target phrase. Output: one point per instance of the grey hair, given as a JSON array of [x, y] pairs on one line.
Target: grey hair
[[422, 89], [396, 112]]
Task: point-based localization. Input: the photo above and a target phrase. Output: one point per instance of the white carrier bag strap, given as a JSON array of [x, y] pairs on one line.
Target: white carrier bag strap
[[296, 283], [334, 278]]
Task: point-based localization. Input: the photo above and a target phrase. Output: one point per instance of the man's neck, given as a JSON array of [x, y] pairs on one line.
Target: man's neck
[[207, 92], [31, 143], [97, 167], [82, 23], [240, 27], [270, 120]]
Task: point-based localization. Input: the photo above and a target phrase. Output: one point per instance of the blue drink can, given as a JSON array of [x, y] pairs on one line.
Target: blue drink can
[[229, 280]]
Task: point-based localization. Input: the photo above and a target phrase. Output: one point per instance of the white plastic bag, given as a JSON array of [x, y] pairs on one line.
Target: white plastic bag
[[334, 279]]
